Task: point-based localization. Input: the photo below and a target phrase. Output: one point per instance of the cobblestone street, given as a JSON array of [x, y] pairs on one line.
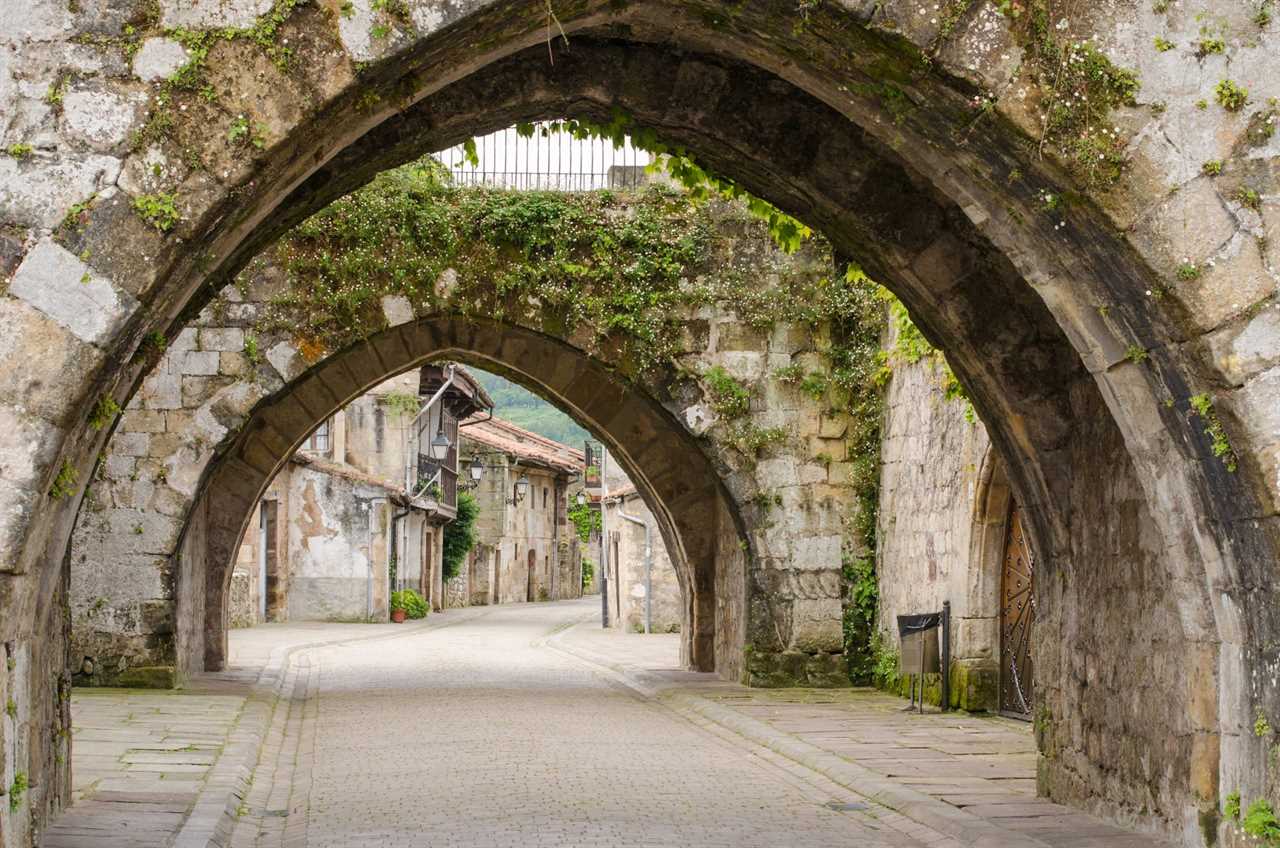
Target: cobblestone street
[[526, 725], [482, 735]]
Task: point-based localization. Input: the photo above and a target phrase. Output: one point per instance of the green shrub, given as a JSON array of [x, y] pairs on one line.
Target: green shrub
[[729, 397], [158, 210], [104, 412], [411, 602], [1260, 821], [588, 572], [586, 520], [1231, 96], [460, 535], [17, 790], [64, 485], [1231, 807]]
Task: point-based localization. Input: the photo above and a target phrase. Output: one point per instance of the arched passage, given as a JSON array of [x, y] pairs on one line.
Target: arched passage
[[813, 123], [700, 524]]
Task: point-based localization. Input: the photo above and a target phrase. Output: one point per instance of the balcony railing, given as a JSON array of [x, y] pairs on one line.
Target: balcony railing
[[443, 476]]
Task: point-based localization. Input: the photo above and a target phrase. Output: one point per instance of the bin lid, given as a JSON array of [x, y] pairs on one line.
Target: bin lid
[[920, 621]]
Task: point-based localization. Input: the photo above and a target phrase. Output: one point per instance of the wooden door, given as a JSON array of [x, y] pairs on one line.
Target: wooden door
[[497, 574], [1017, 617], [530, 590], [273, 583]]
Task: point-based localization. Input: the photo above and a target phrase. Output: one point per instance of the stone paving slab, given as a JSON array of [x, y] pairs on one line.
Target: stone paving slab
[[981, 766], [136, 770], [484, 711], [168, 768], [481, 737]]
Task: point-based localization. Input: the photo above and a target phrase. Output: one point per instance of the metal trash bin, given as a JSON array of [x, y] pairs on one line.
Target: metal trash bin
[[926, 649]]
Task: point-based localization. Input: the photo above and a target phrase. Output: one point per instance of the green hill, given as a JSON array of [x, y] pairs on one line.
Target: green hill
[[525, 409]]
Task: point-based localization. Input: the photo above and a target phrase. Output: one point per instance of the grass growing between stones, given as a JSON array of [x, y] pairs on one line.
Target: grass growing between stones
[[1080, 88]]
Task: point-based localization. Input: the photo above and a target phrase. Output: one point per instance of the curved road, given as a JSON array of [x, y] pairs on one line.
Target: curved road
[[481, 734]]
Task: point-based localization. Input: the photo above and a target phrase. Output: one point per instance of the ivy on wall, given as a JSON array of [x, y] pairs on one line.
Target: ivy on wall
[[459, 536], [586, 520], [621, 271]]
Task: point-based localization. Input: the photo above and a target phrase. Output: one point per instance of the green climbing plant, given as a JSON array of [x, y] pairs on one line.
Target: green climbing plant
[[459, 535], [586, 520]]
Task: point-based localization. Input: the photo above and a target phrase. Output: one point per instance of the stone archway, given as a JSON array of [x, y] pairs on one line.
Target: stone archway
[[716, 472], [1077, 370], [988, 544], [700, 524]]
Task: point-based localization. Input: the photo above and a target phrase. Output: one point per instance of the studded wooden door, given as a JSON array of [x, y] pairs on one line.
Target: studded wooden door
[[1017, 617]]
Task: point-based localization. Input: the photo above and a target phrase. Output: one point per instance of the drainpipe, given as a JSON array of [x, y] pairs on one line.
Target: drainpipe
[[648, 565], [604, 543]]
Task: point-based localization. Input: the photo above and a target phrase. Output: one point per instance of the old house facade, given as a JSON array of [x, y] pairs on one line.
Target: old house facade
[[644, 593], [360, 508], [525, 549]]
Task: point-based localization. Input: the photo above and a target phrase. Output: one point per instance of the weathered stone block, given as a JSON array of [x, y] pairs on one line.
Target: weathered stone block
[[39, 192], [210, 14], [813, 552], [142, 421], [158, 58], [1235, 281], [202, 363], [285, 359], [220, 339], [31, 336], [827, 671], [147, 677], [101, 116], [162, 390], [131, 444], [58, 284], [35, 20]]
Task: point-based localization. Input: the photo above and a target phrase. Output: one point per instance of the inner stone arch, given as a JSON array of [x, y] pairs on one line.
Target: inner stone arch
[[700, 524]]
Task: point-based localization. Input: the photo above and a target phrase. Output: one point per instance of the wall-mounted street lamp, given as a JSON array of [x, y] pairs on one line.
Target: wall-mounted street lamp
[[522, 490], [439, 447], [581, 499], [476, 471]]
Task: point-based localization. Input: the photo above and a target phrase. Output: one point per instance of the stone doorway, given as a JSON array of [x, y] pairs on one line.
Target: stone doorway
[[1017, 618], [273, 588]]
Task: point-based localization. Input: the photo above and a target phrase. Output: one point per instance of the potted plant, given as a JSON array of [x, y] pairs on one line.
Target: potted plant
[[398, 609], [407, 603]]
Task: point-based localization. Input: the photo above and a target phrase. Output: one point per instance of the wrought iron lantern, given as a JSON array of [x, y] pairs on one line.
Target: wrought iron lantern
[[439, 447]]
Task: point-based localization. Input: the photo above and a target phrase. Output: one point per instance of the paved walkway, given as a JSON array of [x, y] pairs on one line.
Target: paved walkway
[[983, 766], [509, 726], [140, 759]]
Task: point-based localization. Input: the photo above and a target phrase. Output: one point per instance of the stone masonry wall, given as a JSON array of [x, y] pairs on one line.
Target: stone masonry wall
[[932, 452], [198, 410]]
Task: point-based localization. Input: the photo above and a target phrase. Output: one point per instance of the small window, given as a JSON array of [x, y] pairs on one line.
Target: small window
[[544, 498], [318, 441]]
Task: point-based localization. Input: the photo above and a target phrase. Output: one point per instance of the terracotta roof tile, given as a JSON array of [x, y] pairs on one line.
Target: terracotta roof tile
[[528, 447]]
